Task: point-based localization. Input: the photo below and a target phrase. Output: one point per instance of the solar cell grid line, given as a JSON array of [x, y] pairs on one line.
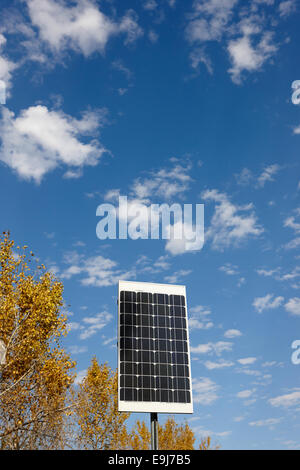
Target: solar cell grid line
[[153, 349]]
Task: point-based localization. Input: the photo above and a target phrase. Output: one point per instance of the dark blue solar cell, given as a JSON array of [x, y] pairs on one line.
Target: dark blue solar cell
[[153, 348]]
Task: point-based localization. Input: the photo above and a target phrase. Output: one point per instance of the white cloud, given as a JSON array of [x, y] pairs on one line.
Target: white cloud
[[247, 361], [289, 276], [75, 349], [230, 224], [267, 302], [289, 400], [39, 140], [208, 348], [229, 269], [245, 393], [150, 5], [293, 306], [120, 67], [209, 20], [112, 342], [2, 40], [218, 365], [145, 264], [238, 419], [250, 372], [73, 326], [197, 57], [200, 431], [91, 325], [250, 39], [199, 318], [153, 36], [293, 445], [296, 130], [177, 276], [291, 221], [6, 69], [287, 7], [205, 391], [233, 333], [269, 364], [95, 271], [292, 244], [267, 272], [267, 174], [201, 310], [247, 56], [196, 324], [82, 27], [244, 177], [165, 183], [270, 422]]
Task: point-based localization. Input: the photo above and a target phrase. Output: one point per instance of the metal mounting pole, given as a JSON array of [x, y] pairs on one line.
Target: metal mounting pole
[[154, 431]]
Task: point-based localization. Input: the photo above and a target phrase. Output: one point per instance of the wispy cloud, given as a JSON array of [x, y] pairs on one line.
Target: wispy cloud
[[211, 365], [230, 224], [177, 276], [247, 361], [245, 29], [232, 333], [200, 318], [91, 325], [268, 174], [245, 393], [288, 400], [269, 422], [209, 20], [208, 348], [164, 183], [75, 349], [287, 7], [247, 177], [267, 302], [7, 67], [205, 391], [95, 271], [229, 269], [292, 223]]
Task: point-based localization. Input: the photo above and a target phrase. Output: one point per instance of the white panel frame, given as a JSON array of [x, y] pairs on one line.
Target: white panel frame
[[153, 407]]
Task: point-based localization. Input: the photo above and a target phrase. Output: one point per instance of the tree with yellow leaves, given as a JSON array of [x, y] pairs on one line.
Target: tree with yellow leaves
[[37, 373], [100, 424], [173, 436], [139, 438]]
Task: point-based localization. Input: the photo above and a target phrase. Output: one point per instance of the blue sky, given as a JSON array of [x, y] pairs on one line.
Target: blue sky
[[166, 101]]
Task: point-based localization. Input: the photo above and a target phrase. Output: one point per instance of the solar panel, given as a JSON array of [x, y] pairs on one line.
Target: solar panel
[[153, 348]]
